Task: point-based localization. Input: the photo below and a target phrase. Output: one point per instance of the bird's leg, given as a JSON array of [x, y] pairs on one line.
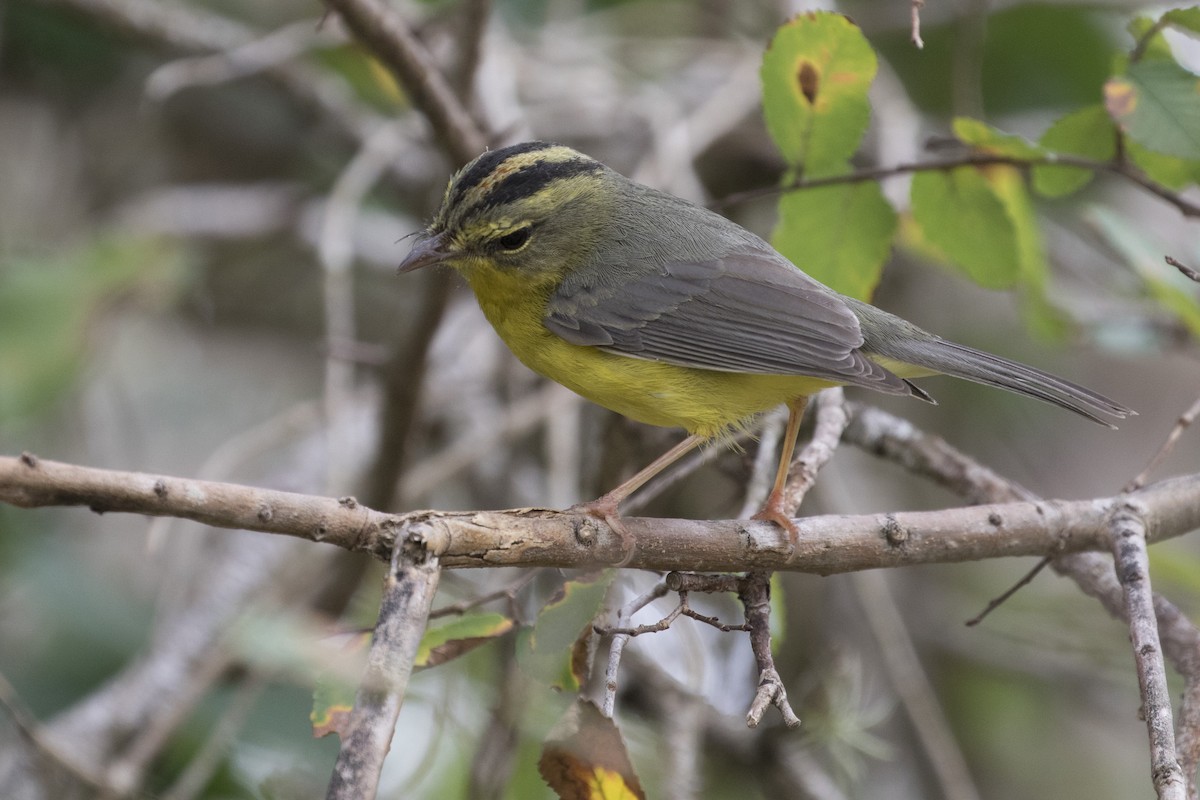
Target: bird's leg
[[607, 506], [773, 510]]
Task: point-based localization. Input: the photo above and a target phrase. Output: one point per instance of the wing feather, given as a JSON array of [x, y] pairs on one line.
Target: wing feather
[[749, 311]]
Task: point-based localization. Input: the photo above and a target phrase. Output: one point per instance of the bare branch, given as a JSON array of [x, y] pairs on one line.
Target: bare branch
[[915, 12], [1188, 272], [620, 639], [975, 159], [1185, 419], [1133, 571], [408, 591], [539, 537], [755, 594]]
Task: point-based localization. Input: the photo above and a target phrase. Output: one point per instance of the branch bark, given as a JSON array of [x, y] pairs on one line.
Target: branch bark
[[539, 537], [408, 591]]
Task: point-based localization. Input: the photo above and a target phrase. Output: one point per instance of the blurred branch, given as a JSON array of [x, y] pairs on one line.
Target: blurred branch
[[337, 257], [917, 694], [263, 53], [381, 29], [408, 591], [915, 7], [403, 377], [199, 771], [539, 537], [475, 15], [191, 28], [31, 729]]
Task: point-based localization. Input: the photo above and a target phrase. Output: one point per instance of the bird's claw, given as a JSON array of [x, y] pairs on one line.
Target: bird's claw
[[607, 511], [772, 511]]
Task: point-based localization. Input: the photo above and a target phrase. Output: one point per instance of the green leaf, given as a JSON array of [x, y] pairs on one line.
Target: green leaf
[[815, 77], [449, 641], [1173, 173], [547, 651], [1087, 132], [983, 137], [1185, 19], [1158, 104], [960, 215], [841, 235]]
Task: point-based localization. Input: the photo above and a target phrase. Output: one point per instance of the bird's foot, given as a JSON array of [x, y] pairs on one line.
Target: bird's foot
[[607, 510], [773, 511]]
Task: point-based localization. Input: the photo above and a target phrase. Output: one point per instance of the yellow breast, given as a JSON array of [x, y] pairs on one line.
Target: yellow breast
[[701, 401]]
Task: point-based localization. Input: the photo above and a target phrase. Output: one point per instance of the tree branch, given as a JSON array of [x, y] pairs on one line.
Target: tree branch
[[1133, 571], [976, 159], [408, 590], [540, 537]]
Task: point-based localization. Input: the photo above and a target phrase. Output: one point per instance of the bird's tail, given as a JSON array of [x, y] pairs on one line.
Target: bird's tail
[[902, 343], [970, 364]]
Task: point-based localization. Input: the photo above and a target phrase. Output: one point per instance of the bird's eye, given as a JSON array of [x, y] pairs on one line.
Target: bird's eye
[[514, 240]]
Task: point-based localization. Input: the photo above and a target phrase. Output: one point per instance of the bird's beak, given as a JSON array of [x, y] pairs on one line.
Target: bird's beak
[[428, 251]]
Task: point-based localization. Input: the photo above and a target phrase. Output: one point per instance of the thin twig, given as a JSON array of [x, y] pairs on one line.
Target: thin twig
[[262, 53], [337, 253], [1181, 424], [1187, 271], [619, 640], [755, 594], [463, 606], [915, 13], [913, 687], [1133, 571], [996, 602], [974, 159], [1144, 41], [201, 767], [190, 28], [408, 593]]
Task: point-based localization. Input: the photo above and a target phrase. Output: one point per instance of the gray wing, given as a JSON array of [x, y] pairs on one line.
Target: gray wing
[[749, 311]]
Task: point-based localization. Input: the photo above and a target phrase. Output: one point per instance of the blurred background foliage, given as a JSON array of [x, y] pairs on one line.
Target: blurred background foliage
[[169, 286]]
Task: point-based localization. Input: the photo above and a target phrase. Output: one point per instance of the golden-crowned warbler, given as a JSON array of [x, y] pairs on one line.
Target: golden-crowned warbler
[[671, 314]]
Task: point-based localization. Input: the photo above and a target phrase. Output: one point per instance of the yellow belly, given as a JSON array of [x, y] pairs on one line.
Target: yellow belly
[[703, 402]]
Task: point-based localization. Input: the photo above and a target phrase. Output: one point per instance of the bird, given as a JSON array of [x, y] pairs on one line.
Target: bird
[[670, 314]]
